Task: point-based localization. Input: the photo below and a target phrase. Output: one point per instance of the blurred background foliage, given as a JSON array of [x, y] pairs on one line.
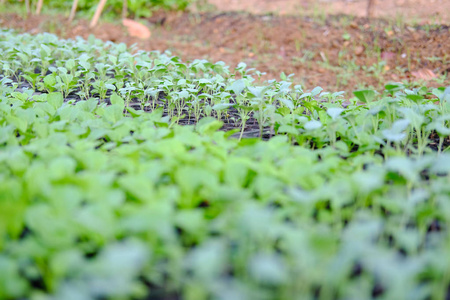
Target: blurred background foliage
[[136, 8]]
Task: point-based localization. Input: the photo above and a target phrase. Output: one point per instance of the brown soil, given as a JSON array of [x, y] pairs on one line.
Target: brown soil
[[411, 10], [336, 52]]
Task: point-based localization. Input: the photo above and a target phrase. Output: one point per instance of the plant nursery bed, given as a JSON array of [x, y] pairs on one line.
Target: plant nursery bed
[[340, 52], [117, 182]]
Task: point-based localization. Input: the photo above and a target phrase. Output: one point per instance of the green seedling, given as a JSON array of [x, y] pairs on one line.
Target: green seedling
[[117, 192]]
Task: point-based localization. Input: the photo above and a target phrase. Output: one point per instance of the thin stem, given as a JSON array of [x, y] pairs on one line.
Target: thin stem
[[242, 129], [97, 14], [73, 11], [124, 9], [39, 7], [27, 6]]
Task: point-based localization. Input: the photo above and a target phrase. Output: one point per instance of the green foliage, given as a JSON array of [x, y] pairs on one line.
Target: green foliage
[[137, 8], [100, 199]]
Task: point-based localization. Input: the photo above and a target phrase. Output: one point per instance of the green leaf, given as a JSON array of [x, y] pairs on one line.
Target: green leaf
[[140, 187], [288, 129], [13, 285], [237, 86], [316, 91], [222, 106], [208, 126], [396, 133], [134, 113], [284, 111], [113, 113], [289, 104], [191, 220], [313, 125], [117, 100], [268, 269], [365, 96], [445, 97], [19, 123], [50, 82], [55, 100], [334, 112], [415, 98], [70, 64]]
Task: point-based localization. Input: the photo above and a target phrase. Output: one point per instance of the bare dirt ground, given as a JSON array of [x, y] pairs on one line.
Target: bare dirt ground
[[419, 10], [340, 52]]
